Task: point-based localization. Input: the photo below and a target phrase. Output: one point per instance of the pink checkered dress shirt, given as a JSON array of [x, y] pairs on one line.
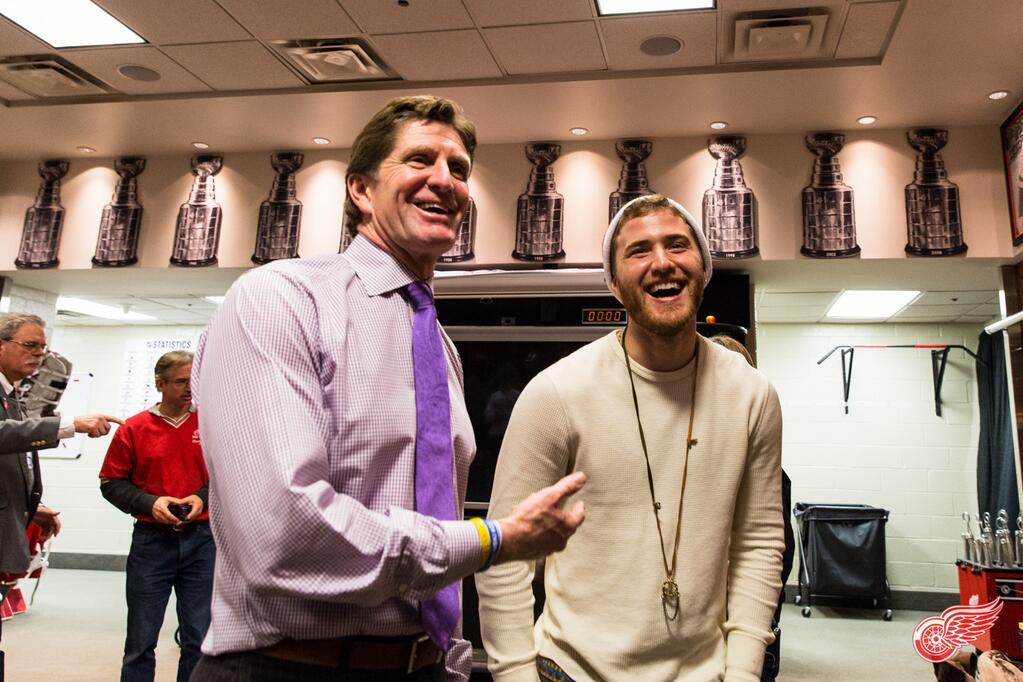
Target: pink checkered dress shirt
[[308, 421]]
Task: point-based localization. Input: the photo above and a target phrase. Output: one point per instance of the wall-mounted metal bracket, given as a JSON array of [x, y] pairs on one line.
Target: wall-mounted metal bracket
[[939, 360]]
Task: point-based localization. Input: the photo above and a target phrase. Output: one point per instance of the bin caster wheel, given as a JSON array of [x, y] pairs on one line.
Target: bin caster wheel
[[798, 599], [806, 612], [887, 615]]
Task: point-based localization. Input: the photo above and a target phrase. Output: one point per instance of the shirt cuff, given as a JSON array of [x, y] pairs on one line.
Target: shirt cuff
[[465, 551], [67, 427], [744, 657]]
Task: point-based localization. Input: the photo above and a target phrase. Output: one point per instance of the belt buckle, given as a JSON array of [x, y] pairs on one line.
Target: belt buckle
[[421, 639]]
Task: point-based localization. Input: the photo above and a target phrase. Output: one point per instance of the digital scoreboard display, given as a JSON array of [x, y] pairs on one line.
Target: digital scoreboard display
[[604, 316]]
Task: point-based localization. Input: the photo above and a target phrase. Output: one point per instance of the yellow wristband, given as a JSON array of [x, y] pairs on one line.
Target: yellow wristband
[[484, 533]]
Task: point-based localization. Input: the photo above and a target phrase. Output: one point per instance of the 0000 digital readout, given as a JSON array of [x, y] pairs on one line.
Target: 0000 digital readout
[[604, 316]]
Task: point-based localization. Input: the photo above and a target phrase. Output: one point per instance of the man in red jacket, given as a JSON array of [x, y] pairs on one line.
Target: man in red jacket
[[154, 470]]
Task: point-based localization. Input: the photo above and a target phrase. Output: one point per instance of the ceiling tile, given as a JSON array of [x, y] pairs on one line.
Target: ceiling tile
[[103, 64], [279, 20], [234, 66], [547, 48], [947, 312], [866, 29], [490, 13], [181, 21], [989, 309], [439, 55], [772, 299], [11, 93], [375, 16], [976, 318], [788, 314], [949, 297], [15, 40], [696, 31]]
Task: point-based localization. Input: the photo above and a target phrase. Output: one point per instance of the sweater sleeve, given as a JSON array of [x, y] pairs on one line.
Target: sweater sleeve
[[754, 570], [535, 454]]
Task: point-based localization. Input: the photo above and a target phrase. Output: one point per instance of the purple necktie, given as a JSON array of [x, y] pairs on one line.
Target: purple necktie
[[435, 490]]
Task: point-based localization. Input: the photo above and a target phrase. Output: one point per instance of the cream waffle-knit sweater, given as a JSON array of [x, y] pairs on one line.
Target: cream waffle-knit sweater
[[604, 618]]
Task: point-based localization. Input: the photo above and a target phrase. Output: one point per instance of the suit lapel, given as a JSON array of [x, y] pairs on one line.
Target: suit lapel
[[28, 463]]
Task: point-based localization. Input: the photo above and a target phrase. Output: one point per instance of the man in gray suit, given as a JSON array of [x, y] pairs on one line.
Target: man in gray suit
[[22, 347]]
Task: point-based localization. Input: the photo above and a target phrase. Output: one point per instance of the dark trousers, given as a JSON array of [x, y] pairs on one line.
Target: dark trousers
[[249, 666], [162, 559]]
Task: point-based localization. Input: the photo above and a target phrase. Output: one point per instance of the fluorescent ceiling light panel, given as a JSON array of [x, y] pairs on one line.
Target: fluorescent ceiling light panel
[[93, 309], [217, 300], [68, 23], [870, 305], [607, 7]]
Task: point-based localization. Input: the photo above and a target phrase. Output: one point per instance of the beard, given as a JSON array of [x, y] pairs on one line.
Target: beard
[[669, 322]]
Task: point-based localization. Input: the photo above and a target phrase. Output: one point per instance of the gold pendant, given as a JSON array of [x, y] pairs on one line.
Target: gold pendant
[[669, 590]]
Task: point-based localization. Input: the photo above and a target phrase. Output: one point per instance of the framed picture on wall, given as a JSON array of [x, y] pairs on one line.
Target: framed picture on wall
[[1012, 148]]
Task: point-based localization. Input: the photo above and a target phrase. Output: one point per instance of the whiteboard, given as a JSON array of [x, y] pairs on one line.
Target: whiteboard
[[138, 390], [74, 402]]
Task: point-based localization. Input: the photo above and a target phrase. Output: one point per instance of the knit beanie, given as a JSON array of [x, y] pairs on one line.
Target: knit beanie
[[701, 239]]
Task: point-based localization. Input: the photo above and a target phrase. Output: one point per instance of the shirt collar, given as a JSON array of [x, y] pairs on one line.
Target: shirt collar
[[377, 269], [5, 384]]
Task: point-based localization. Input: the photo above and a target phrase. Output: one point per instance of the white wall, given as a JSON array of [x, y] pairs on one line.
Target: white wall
[[92, 525], [891, 450]]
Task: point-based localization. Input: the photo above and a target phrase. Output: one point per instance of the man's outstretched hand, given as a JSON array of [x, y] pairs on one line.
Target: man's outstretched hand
[[538, 525]]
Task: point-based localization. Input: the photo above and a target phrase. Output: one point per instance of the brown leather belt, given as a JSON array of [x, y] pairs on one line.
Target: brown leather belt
[[360, 653]]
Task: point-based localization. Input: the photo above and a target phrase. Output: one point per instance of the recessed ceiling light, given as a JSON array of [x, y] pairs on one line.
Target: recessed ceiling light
[[998, 94], [870, 305], [660, 46], [866, 120], [719, 125], [69, 23], [606, 7], [93, 309], [578, 130], [320, 140], [85, 150], [200, 145]]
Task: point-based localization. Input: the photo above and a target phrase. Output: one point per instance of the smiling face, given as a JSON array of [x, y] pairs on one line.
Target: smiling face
[[659, 273], [414, 204], [17, 361]]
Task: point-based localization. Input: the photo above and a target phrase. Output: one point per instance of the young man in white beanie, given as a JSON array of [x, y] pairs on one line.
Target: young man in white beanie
[[676, 574]]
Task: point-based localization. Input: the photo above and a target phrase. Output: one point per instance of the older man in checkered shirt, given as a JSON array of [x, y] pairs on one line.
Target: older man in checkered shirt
[[308, 420]]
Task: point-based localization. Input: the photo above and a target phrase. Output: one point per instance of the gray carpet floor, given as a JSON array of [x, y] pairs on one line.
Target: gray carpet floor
[[75, 631]]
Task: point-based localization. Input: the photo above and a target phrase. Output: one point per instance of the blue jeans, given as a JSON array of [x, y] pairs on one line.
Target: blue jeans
[[162, 559]]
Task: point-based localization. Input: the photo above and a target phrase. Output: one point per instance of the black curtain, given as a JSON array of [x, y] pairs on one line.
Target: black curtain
[[996, 461]]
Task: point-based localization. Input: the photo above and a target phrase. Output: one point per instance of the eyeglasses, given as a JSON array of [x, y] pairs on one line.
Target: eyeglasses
[[30, 346]]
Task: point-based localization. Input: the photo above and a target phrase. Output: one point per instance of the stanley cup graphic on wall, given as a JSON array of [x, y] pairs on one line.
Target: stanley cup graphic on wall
[[541, 208], [40, 237], [729, 207], [465, 238], [632, 183], [829, 220], [121, 221], [280, 214], [198, 229], [933, 220]]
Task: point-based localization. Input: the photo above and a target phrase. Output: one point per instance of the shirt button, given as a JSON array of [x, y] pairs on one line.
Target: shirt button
[[402, 588]]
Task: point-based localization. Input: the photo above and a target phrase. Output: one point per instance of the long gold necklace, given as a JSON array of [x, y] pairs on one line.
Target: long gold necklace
[[669, 589]]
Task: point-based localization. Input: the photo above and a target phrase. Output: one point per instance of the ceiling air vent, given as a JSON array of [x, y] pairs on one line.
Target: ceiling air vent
[[49, 76], [334, 60], [765, 36]]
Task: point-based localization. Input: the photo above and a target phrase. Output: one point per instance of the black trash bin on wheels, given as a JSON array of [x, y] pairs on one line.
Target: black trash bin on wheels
[[842, 555]]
